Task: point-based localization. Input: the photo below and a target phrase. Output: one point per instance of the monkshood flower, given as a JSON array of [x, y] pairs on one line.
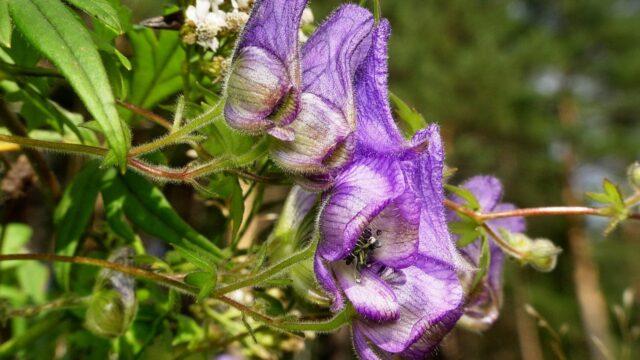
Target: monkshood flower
[[483, 307], [302, 97], [384, 243]]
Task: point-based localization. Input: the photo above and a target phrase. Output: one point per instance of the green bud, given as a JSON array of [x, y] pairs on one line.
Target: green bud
[[108, 314], [113, 304], [634, 175], [543, 255]]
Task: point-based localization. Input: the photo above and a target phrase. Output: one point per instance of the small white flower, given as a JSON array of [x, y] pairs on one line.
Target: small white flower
[[208, 20]]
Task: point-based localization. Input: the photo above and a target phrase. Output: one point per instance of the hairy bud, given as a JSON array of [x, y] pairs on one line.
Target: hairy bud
[[113, 304], [543, 255]]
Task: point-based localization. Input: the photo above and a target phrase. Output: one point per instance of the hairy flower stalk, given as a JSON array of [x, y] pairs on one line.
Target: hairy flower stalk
[[302, 97], [384, 244], [483, 304]]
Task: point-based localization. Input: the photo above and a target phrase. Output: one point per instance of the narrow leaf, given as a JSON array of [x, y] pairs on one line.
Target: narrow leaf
[[72, 215], [102, 10], [147, 208], [54, 30], [412, 121], [5, 24]]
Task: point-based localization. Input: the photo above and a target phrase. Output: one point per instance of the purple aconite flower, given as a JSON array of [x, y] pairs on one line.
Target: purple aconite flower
[[303, 98], [384, 242], [483, 307]]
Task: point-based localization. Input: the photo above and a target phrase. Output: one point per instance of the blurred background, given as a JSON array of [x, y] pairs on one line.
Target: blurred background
[[544, 94]]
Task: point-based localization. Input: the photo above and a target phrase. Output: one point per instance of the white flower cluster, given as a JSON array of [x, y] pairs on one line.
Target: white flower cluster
[[209, 20]]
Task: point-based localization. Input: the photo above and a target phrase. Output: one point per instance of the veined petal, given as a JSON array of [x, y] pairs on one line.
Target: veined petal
[[262, 87], [273, 26], [364, 349], [257, 84], [430, 302], [361, 191], [396, 233], [332, 54], [372, 298], [376, 130], [322, 139], [425, 178], [327, 281]]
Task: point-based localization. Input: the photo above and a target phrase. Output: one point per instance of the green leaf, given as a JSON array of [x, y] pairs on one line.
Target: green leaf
[[14, 239], [204, 280], [102, 11], [412, 121], [72, 215], [466, 195], [54, 30], [5, 24], [483, 265], [147, 208], [157, 65]]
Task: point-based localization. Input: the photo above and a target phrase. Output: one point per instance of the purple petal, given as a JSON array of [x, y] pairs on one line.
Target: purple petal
[[430, 304], [487, 190], [360, 193], [376, 129], [322, 139], [364, 349], [425, 179], [327, 281], [332, 55], [396, 232], [256, 84], [372, 298], [265, 72], [273, 26]]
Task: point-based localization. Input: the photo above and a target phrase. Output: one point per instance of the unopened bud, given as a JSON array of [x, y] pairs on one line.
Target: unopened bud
[[188, 33], [634, 175], [543, 255], [113, 304]]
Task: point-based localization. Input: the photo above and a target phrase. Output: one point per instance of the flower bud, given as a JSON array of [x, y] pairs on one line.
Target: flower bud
[[113, 304], [543, 255], [108, 314], [634, 175]]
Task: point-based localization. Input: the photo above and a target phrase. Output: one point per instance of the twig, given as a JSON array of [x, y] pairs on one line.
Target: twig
[[149, 115]]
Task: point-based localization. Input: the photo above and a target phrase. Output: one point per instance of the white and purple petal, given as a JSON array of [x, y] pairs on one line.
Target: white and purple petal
[[361, 191], [370, 295], [430, 301]]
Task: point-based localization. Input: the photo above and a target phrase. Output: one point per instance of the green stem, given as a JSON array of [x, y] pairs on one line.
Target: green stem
[[208, 117], [59, 304], [55, 146], [377, 10], [266, 274], [334, 323]]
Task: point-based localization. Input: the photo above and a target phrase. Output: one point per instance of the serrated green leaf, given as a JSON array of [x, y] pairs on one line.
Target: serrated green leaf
[[614, 194], [599, 197], [72, 215], [466, 195], [102, 11], [54, 30], [6, 28], [412, 120], [157, 65], [147, 208]]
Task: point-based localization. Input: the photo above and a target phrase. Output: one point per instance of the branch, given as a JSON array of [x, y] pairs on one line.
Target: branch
[[530, 212]]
